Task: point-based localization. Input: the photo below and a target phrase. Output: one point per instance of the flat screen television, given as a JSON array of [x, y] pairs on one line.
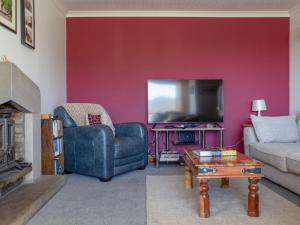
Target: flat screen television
[[185, 101]]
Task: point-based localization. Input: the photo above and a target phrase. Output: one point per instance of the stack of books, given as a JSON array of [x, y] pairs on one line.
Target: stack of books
[[215, 152], [169, 156]]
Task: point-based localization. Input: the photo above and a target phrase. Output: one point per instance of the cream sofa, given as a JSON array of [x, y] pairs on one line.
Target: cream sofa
[[275, 142]]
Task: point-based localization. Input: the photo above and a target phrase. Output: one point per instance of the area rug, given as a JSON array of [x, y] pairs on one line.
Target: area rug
[[169, 203]]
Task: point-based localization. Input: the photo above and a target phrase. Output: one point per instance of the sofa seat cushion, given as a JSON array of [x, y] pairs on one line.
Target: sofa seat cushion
[[293, 162], [274, 153], [127, 146]]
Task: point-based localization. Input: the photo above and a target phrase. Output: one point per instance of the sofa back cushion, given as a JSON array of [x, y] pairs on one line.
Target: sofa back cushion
[[282, 129]]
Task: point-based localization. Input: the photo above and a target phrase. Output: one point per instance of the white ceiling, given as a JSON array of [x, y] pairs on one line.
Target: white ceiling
[[179, 5]]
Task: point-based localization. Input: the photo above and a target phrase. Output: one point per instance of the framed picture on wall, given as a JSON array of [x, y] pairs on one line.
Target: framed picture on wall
[[28, 23], [8, 14]]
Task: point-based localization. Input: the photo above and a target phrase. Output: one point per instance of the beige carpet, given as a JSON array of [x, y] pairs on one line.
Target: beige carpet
[[169, 203]]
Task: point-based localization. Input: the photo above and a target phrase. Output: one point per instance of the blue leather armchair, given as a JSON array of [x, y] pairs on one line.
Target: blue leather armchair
[[95, 151]]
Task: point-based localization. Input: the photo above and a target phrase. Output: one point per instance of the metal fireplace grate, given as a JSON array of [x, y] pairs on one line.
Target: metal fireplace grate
[[7, 154]]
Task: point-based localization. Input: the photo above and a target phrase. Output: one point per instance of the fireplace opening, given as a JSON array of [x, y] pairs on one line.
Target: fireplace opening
[[12, 137], [12, 148], [7, 138]]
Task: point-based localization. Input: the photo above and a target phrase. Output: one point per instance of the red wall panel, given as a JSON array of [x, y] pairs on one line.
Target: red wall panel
[[109, 61]]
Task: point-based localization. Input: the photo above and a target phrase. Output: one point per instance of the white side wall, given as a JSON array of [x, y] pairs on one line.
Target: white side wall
[[46, 65], [295, 61]]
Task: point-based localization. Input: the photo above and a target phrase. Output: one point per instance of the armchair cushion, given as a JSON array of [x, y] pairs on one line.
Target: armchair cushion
[[93, 119], [280, 129]]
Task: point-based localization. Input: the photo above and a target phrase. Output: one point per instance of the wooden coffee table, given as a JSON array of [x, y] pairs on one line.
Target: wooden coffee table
[[225, 167]]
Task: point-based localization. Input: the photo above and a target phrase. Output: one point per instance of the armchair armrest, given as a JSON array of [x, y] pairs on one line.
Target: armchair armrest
[[132, 129], [249, 138], [89, 150]]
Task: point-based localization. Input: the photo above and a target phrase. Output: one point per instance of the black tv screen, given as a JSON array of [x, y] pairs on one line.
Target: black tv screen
[[185, 101]]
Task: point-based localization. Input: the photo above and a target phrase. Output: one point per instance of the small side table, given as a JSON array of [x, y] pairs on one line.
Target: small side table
[[247, 125]]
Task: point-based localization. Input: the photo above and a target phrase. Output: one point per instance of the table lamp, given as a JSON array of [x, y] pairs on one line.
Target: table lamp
[[259, 105]]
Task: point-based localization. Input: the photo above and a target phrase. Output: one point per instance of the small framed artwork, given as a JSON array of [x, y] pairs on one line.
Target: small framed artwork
[[8, 14], [28, 23]]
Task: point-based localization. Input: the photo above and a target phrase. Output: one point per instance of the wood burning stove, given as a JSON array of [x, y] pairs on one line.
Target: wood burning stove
[[7, 142]]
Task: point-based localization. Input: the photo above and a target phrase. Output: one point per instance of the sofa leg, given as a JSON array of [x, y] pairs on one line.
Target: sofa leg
[[142, 168], [105, 179]]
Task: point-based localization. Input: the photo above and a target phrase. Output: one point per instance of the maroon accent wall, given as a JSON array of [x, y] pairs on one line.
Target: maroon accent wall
[[109, 61]]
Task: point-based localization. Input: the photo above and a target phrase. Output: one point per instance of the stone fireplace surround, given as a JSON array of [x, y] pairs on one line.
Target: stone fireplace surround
[[18, 91], [18, 205]]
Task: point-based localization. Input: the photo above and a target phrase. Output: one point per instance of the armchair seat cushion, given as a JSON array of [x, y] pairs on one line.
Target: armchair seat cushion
[[274, 153], [128, 160], [128, 146], [293, 162]]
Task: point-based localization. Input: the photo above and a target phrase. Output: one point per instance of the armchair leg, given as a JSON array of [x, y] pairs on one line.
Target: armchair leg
[[105, 179], [142, 168], [68, 172]]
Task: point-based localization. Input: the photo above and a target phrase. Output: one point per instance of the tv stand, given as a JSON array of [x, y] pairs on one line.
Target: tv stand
[[201, 136], [181, 126]]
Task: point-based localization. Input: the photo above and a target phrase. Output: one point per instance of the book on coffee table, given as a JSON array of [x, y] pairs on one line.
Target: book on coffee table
[[215, 152]]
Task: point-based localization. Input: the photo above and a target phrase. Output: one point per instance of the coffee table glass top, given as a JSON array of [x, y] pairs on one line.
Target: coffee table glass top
[[221, 161]]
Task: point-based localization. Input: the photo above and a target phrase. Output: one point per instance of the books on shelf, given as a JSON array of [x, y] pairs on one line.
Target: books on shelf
[[57, 128], [57, 144], [215, 152], [57, 167], [169, 156]]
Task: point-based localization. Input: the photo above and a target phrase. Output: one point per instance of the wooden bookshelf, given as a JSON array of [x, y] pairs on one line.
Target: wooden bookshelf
[[52, 147]]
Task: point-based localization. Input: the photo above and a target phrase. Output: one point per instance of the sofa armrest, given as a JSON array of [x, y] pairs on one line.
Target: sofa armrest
[[89, 150], [249, 138]]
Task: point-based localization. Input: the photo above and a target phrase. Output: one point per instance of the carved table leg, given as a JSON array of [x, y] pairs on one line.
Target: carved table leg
[[204, 210], [253, 197], [225, 182], [188, 177]]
